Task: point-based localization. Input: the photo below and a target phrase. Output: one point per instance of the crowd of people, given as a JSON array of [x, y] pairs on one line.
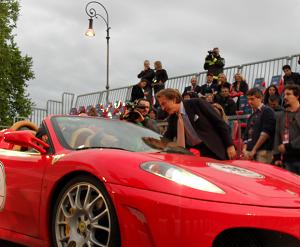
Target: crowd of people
[[197, 117]]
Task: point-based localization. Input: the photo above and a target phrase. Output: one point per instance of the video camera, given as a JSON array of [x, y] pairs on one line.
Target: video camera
[[133, 114]]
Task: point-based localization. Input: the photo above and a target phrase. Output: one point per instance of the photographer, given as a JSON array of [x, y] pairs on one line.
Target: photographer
[[214, 63], [138, 114]]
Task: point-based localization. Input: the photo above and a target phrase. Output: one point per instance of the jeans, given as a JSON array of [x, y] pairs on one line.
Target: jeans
[[293, 166]]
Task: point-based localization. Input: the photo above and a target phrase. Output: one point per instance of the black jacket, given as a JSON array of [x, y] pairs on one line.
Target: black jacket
[[243, 87], [160, 75], [148, 75], [197, 89], [294, 78], [136, 93], [228, 105], [214, 65], [262, 120], [209, 126], [207, 89]]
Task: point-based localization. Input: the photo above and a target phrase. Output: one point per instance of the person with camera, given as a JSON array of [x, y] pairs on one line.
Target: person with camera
[[138, 114], [214, 63], [147, 74]]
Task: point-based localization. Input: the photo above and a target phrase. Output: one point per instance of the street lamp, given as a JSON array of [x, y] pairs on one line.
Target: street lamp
[[92, 13]]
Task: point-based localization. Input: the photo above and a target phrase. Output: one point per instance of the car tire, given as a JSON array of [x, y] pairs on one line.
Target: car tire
[[83, 215], [237, 239]]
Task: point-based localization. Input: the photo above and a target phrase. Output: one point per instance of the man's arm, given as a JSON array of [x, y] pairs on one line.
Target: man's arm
[[268, 129], [220, 62], [207, 62], [140, 75]]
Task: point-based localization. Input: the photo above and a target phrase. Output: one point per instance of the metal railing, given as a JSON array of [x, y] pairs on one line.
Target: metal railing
[[262, 69], [52, 107]]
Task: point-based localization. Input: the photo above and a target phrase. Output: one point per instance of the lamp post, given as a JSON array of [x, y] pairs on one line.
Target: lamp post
[[92, 13]]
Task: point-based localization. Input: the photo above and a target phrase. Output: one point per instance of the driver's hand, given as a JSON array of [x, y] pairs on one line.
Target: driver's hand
[[155, 143]]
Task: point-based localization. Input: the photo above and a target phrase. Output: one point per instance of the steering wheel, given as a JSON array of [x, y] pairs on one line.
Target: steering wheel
[[24, 125], [79, 137]]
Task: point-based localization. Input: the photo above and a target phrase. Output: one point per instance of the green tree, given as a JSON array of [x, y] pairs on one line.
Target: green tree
[[15, 69]]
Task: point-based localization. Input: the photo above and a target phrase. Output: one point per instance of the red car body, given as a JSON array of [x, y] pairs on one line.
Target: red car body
[[260, 202]]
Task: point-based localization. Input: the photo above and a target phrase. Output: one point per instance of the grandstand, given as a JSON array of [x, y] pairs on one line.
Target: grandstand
[[259, 74]]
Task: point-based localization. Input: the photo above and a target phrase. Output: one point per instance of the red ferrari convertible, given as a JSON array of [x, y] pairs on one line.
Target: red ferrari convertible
[[92, 182]]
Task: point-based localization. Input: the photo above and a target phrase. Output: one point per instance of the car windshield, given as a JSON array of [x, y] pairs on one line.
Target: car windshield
[[75, 132]]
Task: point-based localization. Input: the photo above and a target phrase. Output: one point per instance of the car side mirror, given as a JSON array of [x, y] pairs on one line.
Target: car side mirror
[[24, 138]]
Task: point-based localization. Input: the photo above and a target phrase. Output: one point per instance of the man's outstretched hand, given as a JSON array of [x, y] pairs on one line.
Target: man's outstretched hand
[[155, 143]]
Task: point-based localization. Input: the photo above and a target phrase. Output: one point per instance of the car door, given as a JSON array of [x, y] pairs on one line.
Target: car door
[[22, 178]]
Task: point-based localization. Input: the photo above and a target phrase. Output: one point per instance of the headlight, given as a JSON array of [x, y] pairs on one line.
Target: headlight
[[180, 176]]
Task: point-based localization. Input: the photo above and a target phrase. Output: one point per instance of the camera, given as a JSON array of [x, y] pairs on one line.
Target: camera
[[210, 52], [132, 115]]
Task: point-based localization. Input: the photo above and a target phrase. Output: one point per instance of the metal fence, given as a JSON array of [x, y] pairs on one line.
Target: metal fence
[[262, 69], [53, 107]]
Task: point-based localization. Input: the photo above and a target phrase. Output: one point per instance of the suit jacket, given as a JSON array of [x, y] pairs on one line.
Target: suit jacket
[[189, 89], [209, 126], [207, 89]]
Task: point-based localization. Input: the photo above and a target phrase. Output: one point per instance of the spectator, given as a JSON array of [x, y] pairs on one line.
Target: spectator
[[138, 90], [92, 112], [194, 88], [189, 95], [287, 135], [209, 87], [152, 114], [271, 90], [239, 85], [147, 74], [222, 81], [214, 63], [209, 97], [273, 103], [191, 121], [159, 79], [289, 76], [143, 107], [259, 133], [138, 114], [226, 101]]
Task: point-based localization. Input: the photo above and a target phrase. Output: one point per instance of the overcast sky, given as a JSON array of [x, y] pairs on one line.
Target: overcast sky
[[178, 33]]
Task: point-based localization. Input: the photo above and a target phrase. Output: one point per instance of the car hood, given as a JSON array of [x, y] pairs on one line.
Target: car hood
[[244, 182]]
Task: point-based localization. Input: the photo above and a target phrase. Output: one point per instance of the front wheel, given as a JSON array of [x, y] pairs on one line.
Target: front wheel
[[84, 215]]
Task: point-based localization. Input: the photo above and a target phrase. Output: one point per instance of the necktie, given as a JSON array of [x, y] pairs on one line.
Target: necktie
[[180, 131], [191, 136]]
